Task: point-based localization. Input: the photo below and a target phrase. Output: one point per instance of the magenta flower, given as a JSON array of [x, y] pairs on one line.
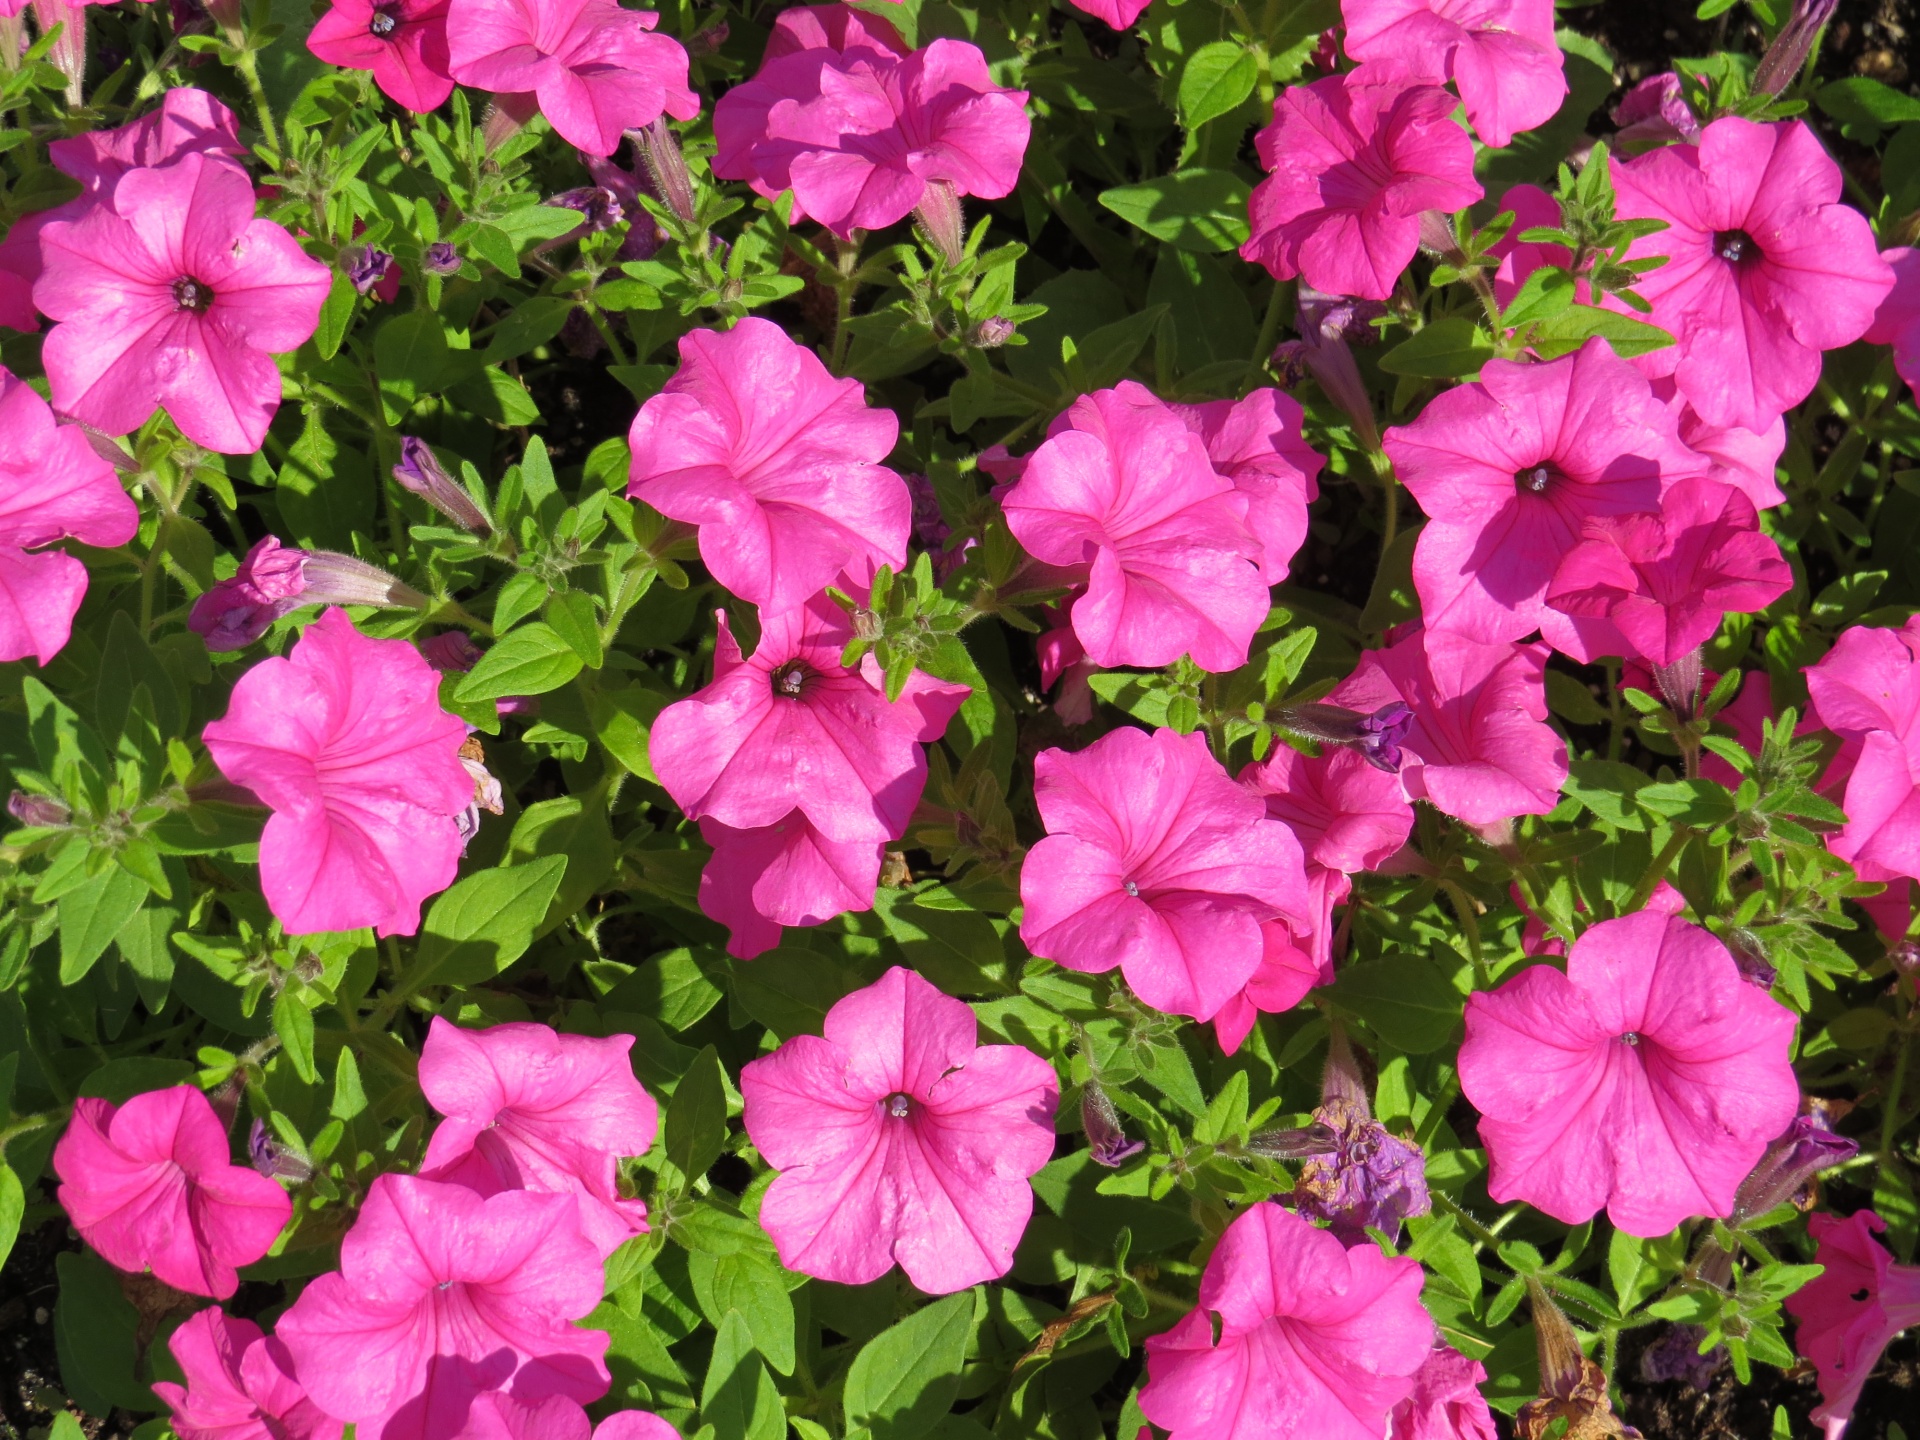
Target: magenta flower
[[1480, 748], [1118, 14], [1868, 681], [786, 873], [1313, 1338], [171, 295], [1509, 469], [1867, 691], [403, 42], [1155, 861], [53, 487], [776, 461], [345, 741], [791, 729], [1532, 209], [1647, 1079], [899, 1138], [442, 1292], [495, 1415], [1656, 112], [1765, 268], [1354, 160], [1064, 659], [1257, 444], [151, 1185], [1849, 1312], [596, 69], [1664, 582], [274, 581], [1500, 55], [530, 1109], [1897, 321], [1745, 459], [1446, 1403], [240, 1385], [1124, 486]]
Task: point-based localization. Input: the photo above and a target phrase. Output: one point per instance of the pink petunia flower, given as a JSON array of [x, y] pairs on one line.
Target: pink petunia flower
[[1355, 159], [529, 1109], [596, 69], [1663, 583], [1745, 459], [1064, 659], [240, 1385], [1446, 1403], [786, 873], [403, 42], [791, 729], [442, 1292], [1532, 209], [1124, 486], [345, 741], [495, 1415], [1866, 690], [152, 1186], [776, 461], [1647, 1079], [899, 1138], [53, 487], [1479, 748], [1656, 112], [1509, 469], [1500, 55], [1851, 1310], [1897, 321], [1118, 14], [1313, 1339], [170, 294], [1157, 862], [1765, 267], [1257, 443], [275, 580]]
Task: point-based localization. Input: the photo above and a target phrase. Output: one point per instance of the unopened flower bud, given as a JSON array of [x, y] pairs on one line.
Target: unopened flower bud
[[1679, 684], [599, 209], [440, 258], [1750, 954], [1656, 111], [38, 810], [992, 333], [666, 167], [274, 1160], [1106, 1137], [1791, 47], [421, 472], [1437, 237], [275, 580], [1788, 1166], [1377, 736], [365, 266], [940, 218], [1301, 1144], [450, 652]]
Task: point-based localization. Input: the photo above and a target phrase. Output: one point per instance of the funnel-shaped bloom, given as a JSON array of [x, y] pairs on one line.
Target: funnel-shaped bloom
[[170, 294], [53, 487], [1510, 468], [1355, 159], [1124, 486], [1500, 55], [792, 729], [442, 1291], [240, 1385], [1897, 321], [1480, 748], [1765, 267], [786, 873], [403, 42], [1647, 1079], [1314, 1339], [345, 741], [151, 1185], [1851, 1310], [530, 1109], [1867, 691], [274, 580], [1257, 444], [1446, 1403], [596, 68], [899, 1138], [776, 461], [1155, 861]]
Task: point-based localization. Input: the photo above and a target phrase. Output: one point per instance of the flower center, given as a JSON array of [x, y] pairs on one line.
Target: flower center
[[789, 679], [1733, 246], [1131, 888], [383, 24], [1631, 1039], [444, 1285], [190, 294], [898, 1104], [1534, 480]]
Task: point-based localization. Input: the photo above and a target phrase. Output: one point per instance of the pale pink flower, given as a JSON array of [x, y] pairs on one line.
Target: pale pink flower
[[345, 741], [529, 1109], [151, 1185], [442, 1292], [1446, 1403], [403, 42], [1851, 1310], [170, 294], [275, 580], [596, 68], [1157, 862], [1509, 469], [1765, 268], [1662, 583], [1314, 1339], [899, 1138], [1480, 748], [1354, 161], [776, 461], [1500, 55], [1745, 459], [240, 1385], [1118, 14], [791, 729], [1123, 486], [53, 487], [1257, 443], [786, 873], [1646, 1080]]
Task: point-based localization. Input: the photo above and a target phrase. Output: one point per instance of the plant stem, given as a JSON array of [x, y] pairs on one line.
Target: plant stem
[[249, 69], [1269, 330], [1890, 1116], [1655, 872]]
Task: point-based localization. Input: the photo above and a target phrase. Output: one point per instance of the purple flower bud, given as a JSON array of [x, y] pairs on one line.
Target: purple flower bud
[[1378, 736], [274, 581], [1676, 1356], [993, 332], [274, 1160], [599, 207], [366, 267], [421, 472], [1290, 363], [1656, 111], [666, 168], [450, 652], [440, 258], [40, 810], [1750, 954], [1321, 316], [1788, 1166], [1791, 47], [1327, 323], [1437, 237], [1301, 1144], [1105, 1137]]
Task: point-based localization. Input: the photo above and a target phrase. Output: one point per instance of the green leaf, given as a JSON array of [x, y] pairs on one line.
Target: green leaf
[[789, 990], [1547, 292], [1609, 789], [1404, 999], [484, 923], [336, 316], [575, 621], [530, 661], [959, 950], [750, 1283], [293, 1023], [739, 1400], [13, 1204], [1450, 348], [1193, 209], [533, 223], [672, 987], [1217, 79], [697, 1117], [411, 353], [1566, 332], [908, 1376], [1864, 107], [91, 915], [95, 1332], [349, 1095], [1699, 803]]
